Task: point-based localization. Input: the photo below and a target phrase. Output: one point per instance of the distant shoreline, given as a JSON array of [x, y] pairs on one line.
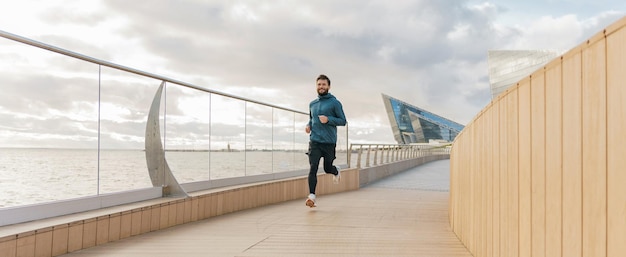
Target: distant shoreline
[[143, 150]]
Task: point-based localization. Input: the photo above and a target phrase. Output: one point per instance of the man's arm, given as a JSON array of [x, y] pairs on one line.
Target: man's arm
[[340, 118]]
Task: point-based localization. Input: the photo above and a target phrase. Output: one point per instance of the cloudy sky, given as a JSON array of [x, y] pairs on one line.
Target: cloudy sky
[[432, 54]]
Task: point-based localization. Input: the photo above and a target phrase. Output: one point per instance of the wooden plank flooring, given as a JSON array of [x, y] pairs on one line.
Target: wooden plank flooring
[[404, 215]]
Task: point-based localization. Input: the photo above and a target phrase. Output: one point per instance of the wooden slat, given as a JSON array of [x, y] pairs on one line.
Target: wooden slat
[[504, 217], [594, 149], [553, 161], [616, 136], [572, 152], [495, 242], [525, 175], [513, 142], [538, 168]]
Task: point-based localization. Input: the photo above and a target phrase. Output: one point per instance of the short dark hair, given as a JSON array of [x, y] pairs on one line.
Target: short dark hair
[[324, 77]]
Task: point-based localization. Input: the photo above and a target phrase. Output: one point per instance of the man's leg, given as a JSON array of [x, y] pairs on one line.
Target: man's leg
[[328, 152], [314, 160]]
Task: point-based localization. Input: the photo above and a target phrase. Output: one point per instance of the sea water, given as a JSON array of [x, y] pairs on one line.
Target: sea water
[[29, 176]]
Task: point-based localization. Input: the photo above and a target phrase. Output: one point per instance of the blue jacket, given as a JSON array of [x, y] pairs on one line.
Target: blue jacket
[[329, 106]]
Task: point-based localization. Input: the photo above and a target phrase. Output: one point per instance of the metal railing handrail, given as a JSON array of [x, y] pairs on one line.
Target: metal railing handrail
[[62, 51]]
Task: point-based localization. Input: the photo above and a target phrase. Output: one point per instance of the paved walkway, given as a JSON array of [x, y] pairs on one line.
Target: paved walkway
[[403, 215]]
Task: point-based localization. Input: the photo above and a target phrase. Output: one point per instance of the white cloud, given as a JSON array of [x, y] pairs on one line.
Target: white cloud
[[431, 54]]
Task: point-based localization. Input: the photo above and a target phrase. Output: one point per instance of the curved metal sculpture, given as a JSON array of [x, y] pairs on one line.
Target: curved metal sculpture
[[160, 172]]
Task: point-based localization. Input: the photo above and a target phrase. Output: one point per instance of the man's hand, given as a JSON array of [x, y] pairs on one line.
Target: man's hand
[[323, 119], [307, 129]]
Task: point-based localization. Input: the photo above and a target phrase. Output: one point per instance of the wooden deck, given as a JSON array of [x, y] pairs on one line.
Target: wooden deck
[[404, 215]]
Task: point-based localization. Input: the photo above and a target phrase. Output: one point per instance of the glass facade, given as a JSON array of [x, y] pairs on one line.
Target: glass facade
[[507, 67], [411, 124]]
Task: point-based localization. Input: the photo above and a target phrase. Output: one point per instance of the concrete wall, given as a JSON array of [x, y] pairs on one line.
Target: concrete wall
[[541, 170]]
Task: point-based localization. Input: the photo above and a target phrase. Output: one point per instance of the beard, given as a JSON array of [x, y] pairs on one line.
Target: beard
[[322, 92]]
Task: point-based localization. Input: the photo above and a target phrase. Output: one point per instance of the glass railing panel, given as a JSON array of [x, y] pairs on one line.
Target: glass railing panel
[[258, 139], [124, 106], [341, 150], [283, 141], [301, 142], [187, 133], [227, 158], [48, 129], [288, 149]]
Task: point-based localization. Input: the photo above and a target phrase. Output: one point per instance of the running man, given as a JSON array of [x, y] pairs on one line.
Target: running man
[[325, 114]]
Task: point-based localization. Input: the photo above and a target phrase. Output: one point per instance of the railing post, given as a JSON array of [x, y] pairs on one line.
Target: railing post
[[390, 153], [398, 152], [382, 154], [394, 154], [358, 157], [349, 156], [367, 160], [405, 153], [376, 155]]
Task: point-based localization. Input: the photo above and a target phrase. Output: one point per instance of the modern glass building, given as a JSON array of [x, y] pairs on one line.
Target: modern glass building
[[507, 67], [411, 124]]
